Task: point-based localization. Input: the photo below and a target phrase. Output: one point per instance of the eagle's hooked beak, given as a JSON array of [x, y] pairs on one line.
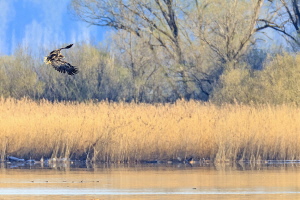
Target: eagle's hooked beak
[[46, 60]]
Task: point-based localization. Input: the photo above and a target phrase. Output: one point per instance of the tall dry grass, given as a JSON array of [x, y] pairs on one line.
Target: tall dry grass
[[126, 132]]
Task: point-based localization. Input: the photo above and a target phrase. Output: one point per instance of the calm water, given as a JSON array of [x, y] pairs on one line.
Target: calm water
[[167, 182]]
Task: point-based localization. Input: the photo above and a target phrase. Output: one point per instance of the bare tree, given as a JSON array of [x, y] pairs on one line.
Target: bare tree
[[285, 18], [158, 21], [197, 38], [155, 19], [230, 31], [136, 56]]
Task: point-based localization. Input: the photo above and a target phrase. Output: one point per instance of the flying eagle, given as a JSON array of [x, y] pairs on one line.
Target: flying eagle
[[55, 58]]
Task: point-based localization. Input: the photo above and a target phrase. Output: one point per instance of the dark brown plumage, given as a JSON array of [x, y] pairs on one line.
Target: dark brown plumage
[[55, 58]]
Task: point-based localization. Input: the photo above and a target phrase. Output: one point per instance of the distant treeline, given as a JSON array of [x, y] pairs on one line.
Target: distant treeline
[[138, 76], [162, 51]]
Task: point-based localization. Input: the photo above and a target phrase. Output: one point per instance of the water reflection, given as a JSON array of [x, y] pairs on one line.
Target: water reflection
[[80, 180], [240, 166]]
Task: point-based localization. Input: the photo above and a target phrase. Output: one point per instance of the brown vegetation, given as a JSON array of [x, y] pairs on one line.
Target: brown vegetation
[[122, 132]]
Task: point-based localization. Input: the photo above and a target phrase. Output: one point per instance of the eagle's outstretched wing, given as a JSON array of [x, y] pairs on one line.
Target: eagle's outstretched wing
[[64, 67], [67, 47], [55, 58]]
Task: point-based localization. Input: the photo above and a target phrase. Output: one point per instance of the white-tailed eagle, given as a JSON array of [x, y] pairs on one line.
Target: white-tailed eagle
[[55, 58]]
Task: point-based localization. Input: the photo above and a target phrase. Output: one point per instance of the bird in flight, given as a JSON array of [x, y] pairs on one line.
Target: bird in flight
[[55, 58]]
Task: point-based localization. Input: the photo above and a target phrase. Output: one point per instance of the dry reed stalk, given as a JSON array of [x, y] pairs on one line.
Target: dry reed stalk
[[128, 132]]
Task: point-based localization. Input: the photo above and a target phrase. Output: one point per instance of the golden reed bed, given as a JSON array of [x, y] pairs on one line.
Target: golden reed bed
[[128, 132]]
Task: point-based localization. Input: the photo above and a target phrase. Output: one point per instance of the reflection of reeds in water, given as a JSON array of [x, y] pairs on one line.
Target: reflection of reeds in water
[[122, 132]]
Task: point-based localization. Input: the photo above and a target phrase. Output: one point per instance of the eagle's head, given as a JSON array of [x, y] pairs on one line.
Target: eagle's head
[[47, 61]]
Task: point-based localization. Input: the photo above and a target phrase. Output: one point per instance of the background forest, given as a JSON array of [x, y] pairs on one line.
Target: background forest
[[163, 50]]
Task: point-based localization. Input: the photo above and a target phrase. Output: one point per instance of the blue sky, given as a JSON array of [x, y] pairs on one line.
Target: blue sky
[[45, 24]]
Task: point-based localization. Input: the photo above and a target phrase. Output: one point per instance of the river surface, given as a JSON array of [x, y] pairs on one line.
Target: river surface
[[152, 182]]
